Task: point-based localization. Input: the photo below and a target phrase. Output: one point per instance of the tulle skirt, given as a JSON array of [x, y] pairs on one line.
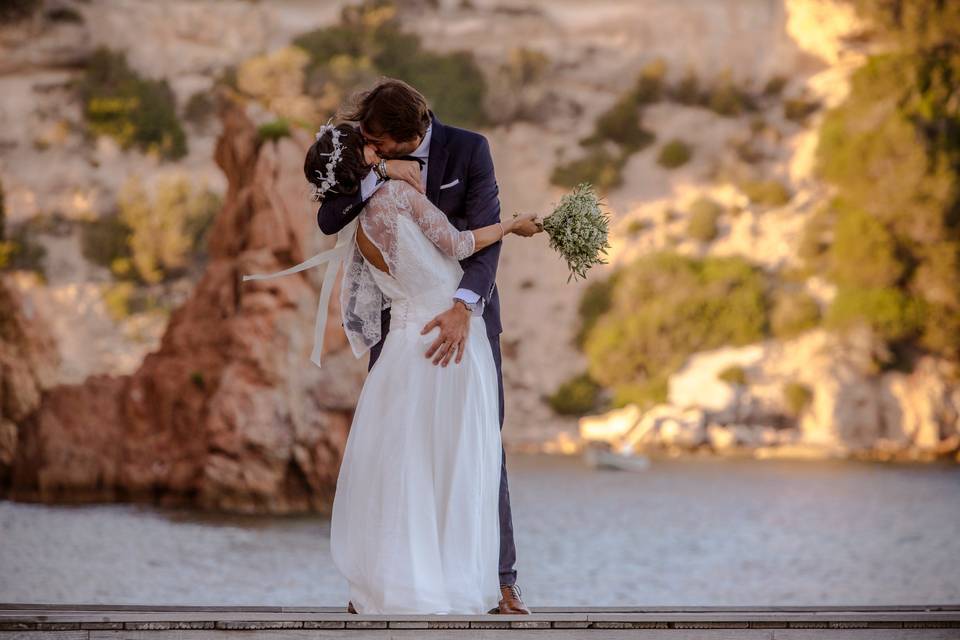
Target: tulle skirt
[[415, 522]]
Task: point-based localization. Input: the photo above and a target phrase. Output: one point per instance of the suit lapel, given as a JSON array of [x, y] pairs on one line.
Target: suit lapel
[[438, 160]]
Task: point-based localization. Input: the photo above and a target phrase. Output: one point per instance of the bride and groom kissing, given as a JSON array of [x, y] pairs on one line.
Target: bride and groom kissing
[[421, 520]]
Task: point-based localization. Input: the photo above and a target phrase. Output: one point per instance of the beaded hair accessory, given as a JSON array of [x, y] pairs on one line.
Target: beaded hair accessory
[[328, 180]]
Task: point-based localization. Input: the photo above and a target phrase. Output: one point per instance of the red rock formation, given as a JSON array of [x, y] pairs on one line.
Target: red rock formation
[[229, 413], [28, 365]]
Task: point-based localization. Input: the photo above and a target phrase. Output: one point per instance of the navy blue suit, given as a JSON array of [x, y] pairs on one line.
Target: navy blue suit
[[456, 154]]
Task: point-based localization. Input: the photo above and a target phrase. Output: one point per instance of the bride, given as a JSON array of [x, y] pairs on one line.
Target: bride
[[414, 527]]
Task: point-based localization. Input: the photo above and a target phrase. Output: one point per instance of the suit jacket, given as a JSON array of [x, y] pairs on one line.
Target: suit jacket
[[456, 156]]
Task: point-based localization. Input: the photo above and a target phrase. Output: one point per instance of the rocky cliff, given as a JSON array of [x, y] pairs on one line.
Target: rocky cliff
[[229, 413]]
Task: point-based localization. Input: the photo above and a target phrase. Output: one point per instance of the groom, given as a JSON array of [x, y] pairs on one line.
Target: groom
[[453, 167]]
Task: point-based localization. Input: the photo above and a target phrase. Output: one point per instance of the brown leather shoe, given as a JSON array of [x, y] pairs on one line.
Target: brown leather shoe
[[510, 601], [350, 608]]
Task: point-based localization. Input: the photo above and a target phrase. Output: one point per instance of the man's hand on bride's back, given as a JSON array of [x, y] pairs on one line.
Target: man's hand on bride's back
[[454, 326], [406, 170]]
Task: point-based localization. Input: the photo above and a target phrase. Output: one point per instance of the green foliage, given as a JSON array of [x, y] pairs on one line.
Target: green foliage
[[596, 300], [646, 393], [704, 215], [22, 251], [621, 124], [687, 91], [799, 109], [771, 193], [774, 86], [617, 134], [673, 154], [892, 150], [135, 111], [797, 397], [371, 31], [104, 241], [888, 311], [274, 130], [727, 99], [863, 253], [199, 108], [650, 87], [165, 230], [577, 396], [664, 307], [638, 226], [734, 375], [793, 313]]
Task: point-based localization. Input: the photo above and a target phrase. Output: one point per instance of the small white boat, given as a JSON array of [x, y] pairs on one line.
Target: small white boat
[[601, 458]]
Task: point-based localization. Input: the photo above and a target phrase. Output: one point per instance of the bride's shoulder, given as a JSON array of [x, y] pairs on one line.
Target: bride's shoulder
[[401, 190]]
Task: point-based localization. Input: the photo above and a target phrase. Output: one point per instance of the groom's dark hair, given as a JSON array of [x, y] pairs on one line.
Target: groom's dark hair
[[392, 107]]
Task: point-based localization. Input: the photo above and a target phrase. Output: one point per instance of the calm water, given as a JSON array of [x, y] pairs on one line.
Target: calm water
[[704, 532]]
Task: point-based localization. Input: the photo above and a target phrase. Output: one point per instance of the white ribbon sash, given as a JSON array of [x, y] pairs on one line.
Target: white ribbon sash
[[334, 257]]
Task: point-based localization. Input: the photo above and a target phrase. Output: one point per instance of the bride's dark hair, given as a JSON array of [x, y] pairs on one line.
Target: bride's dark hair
[[349, 170]]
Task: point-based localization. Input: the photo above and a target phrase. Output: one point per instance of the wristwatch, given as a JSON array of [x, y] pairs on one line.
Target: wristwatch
[[471, 306], [380, 168]]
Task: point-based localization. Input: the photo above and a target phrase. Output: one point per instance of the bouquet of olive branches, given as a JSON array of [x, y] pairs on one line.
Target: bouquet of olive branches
[[578, 230]]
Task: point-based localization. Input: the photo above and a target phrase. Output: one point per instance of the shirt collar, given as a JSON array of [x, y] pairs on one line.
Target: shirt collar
[[423, 151]]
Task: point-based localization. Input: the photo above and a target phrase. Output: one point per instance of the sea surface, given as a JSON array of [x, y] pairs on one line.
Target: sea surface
[[683, 532]]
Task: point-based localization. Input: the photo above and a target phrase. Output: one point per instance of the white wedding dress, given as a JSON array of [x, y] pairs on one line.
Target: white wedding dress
[[415, 524]]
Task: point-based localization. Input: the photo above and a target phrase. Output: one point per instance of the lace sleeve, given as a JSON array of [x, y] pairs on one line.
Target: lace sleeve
[[451, 241]]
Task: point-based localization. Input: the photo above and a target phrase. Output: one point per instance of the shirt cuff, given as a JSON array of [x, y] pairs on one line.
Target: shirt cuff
[[370, 183], [470, 297]]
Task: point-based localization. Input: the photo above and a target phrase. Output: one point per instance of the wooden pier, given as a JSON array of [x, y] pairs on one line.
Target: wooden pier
[[105, 622]]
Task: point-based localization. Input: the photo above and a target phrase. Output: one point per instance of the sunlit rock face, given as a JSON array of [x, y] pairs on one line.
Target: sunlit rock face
[[229, 413], [853, 410]]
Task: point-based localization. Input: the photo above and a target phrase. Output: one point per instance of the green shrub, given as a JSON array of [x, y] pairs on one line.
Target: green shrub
[[621, 124], [888, 311], [135, 111], [104, 241], [199, 108], [799, 109], [22, 252], [726, 99], [645, 394], [600, 167], [164, 231], [673, 154], [771, 193], [118, 298], [774, 86], [797, 397], [704, 215], [649, 87], [452, 82], [594, 302], [687, 91], [638, 226], [863, 253], [664, 307], [274, 130], [577, 396], [793, 313], [734, 375]]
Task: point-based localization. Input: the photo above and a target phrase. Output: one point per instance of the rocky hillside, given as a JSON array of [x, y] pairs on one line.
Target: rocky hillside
[[228, 413], [701, 122]]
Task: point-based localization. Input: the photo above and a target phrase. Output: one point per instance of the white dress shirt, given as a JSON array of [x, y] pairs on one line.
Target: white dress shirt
[[371, 182]]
